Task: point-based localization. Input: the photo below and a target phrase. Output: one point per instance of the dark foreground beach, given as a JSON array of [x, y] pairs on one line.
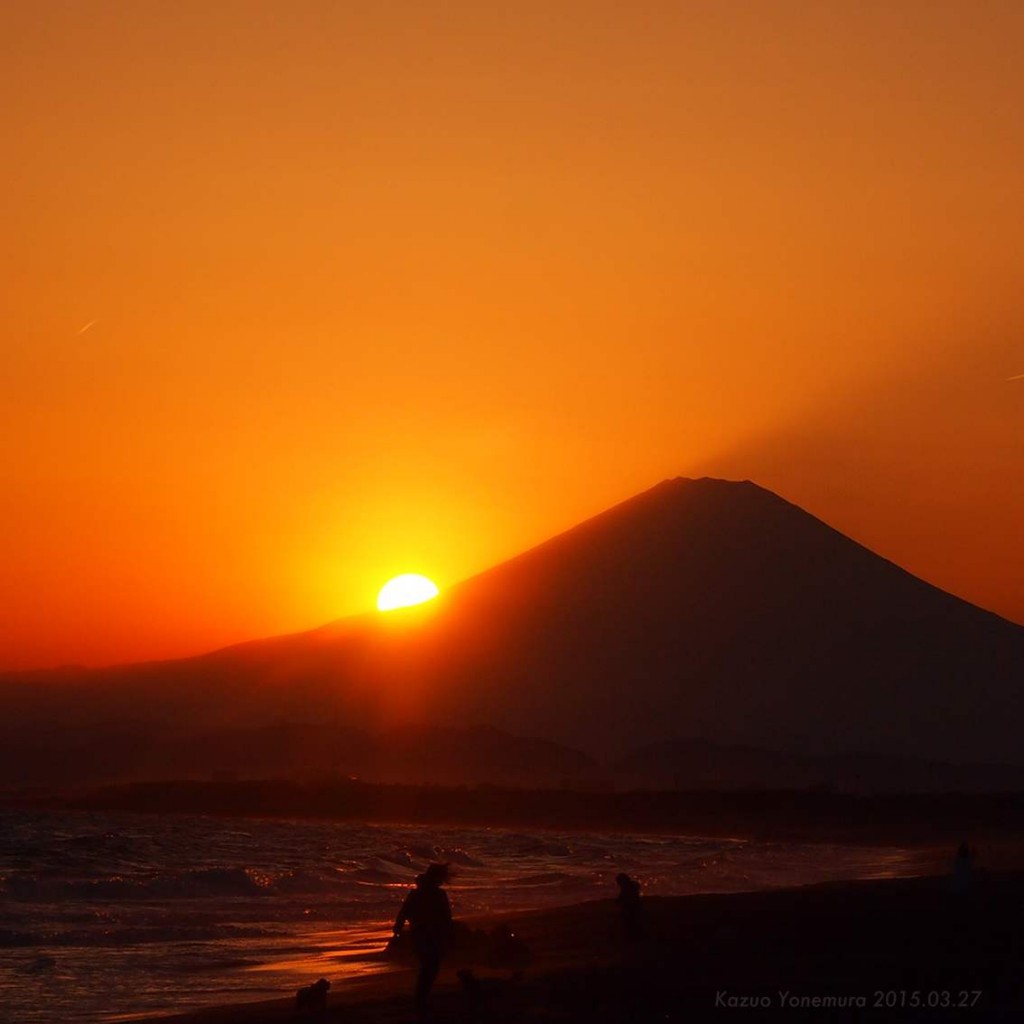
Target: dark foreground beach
[[894, 949]]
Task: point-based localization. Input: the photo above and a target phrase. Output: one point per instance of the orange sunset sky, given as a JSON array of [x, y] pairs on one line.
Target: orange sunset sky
[[302, 295]]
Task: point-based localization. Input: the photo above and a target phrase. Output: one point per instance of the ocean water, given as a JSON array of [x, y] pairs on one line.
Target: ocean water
[[107, 916]]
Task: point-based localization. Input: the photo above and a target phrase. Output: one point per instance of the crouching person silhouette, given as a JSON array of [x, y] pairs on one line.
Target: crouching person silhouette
[[429, 914], [629, 906]]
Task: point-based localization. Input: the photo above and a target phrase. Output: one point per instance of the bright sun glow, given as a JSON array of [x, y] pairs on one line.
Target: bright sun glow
[[405, 590]]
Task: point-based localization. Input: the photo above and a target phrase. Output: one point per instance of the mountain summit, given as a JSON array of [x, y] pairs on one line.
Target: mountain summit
[[705, 609], [718, 610]]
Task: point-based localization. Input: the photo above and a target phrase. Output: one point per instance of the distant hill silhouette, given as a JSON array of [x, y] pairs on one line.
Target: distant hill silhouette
[[704, 609], [317, 753], [697, 765]]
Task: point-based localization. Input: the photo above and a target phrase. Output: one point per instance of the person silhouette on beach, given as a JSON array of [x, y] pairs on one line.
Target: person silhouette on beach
[[629, 904], [963, 870], [429, 914]]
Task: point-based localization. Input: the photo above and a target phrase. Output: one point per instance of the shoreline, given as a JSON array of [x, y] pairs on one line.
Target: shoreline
[[251, 910], [908, 939]]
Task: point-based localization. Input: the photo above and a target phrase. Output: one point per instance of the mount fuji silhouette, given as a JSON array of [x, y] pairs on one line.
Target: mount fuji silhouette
[[708, 610]]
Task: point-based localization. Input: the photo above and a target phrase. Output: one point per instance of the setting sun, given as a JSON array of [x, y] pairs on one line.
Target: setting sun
[[405, 590]]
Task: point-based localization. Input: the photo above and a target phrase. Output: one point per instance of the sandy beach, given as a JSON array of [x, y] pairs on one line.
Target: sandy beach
[[905, 949]]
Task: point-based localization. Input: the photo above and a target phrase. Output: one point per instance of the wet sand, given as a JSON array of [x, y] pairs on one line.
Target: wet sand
[[892, 949]]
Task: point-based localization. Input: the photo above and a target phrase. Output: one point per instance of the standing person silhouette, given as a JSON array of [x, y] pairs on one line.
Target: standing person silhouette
[[428, 911], [963, 869]]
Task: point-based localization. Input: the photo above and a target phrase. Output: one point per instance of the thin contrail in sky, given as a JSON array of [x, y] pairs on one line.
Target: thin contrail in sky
[[1016, 376], [82, 330]]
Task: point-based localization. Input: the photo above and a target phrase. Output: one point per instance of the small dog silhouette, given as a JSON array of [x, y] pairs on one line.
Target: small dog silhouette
[[312, 998]]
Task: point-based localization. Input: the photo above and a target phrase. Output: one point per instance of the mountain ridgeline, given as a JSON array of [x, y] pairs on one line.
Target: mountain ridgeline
[[698, 617]]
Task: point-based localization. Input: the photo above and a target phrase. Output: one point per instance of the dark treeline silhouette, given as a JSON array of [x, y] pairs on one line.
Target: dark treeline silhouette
[[766, 814]]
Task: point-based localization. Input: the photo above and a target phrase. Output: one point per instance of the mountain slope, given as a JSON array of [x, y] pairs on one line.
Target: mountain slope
[[700, 608], [719, 610]]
